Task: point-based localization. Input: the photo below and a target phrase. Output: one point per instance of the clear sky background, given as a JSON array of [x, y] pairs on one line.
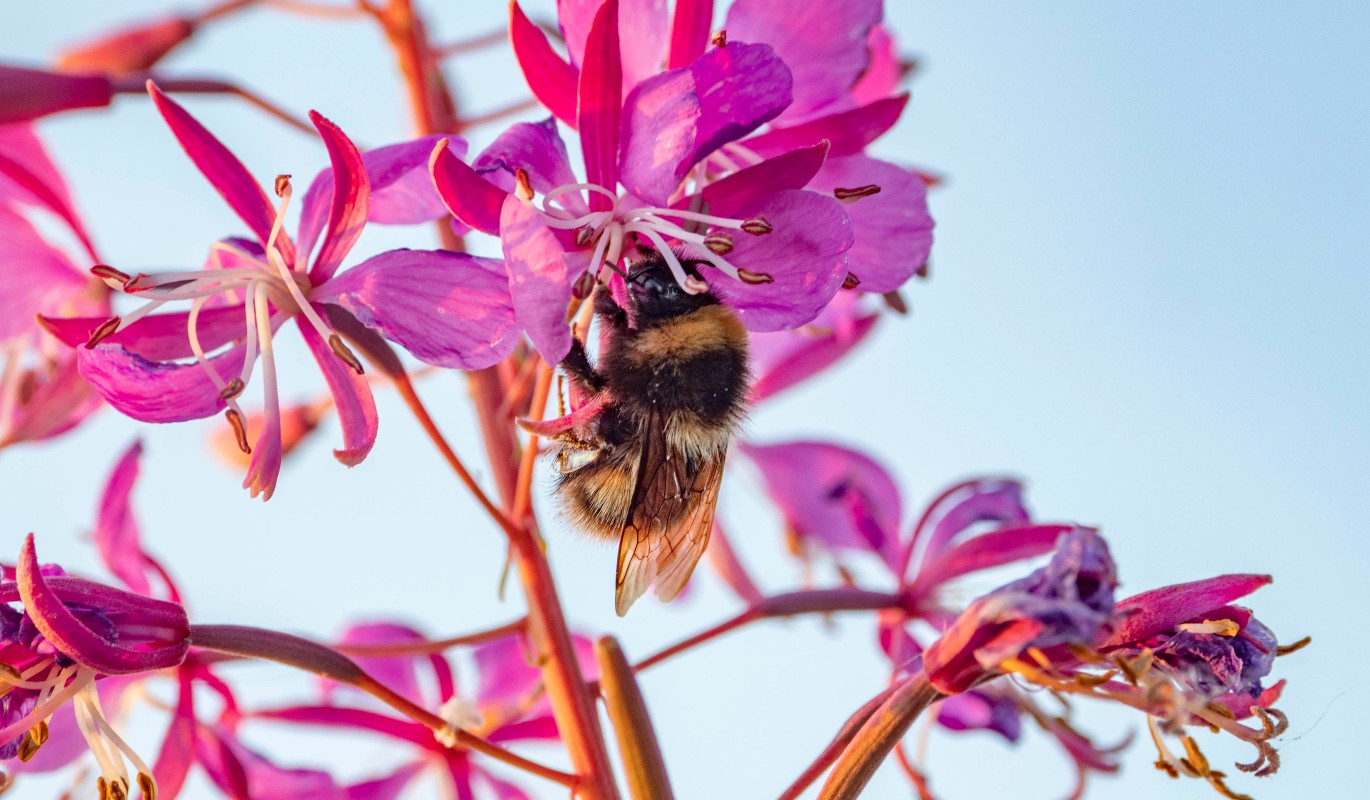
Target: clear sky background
[[1147, 298]]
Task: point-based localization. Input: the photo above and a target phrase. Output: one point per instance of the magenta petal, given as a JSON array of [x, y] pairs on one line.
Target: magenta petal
[[116, 528], [48, 610], [848, 131], [678, 117], [884, 67], [177, 753], [600, 102], [995, 500], [448, 309], [804, 256], [823, 42], [233, 766], [38, 278], [552, 80], [351, 397], [153, 391], [57, 404], [28, 175], [401, 191], [988, 550], [389, 787], [690, 28], [893, 228], [507, 675], [539, 279], [471, 199], [264, 468], [223, 170], [159, 337], [396, 672], [1160, 610], [533, 147], [837, 496], [781, 360], [351, 199], [792, 169]]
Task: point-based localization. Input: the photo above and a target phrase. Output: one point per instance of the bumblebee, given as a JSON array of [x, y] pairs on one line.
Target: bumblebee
[[642, 456]]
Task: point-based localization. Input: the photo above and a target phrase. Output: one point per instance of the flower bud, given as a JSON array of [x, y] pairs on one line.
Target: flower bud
[[27, 94], [128, 51]]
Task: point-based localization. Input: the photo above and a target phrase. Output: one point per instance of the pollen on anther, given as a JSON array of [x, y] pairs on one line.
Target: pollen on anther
[[851, 281], [106, 271], [342, 351], [523, 186], [753, 278], [282, 184], [757, 226], [106, 329], [147, 785], [719, 39], [851, 195], [232, 390], [719, 243]]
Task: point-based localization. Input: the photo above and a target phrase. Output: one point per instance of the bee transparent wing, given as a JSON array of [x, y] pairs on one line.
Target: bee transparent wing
[[669, 521]]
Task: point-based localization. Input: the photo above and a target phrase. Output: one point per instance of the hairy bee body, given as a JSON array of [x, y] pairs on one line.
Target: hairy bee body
[[671, 382]]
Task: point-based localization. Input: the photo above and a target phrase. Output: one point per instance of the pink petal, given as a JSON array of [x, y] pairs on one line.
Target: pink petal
[[223, 170], [61, 399], [893, 228], [823, 41], [552, 80], [884, 69], [177, 753], [116, 534], [600, 102], [533, 147], [500, 789], [792, 169], [397, 672], [153, 391], [38, 278], [351, 199], [389, 787], [781, 360], [849, 132], [690, 28], [995, 500], [471, 199], [268, 448], [158, 337], [448, 309], [28, 175], [236, 768], [351, 397], [723, 558], [804, 256], [1160, 610], [837, 496], [401, 191], [540, 276], [641, 51], [678, 117], [989, 550]]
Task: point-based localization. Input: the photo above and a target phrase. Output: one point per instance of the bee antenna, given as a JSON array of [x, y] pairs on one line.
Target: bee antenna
[[615, 268]]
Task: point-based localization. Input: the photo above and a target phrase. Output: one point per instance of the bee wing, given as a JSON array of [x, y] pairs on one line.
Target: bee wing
[[652, 547]]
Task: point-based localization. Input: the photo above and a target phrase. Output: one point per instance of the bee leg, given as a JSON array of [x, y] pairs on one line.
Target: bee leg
[[577, 365], [607, 310]]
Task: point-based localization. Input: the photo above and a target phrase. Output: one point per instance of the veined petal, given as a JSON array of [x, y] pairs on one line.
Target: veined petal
[[351, 397], [448, 309], [823, 42], [539, 279], [154, 391], [552, 80], [678, 117], [401, 191], [1159, 610], [599, 104], [351, 198], [157, 337], [804, 256], [533, 147], [223, 170], [783, 359], [641, 51], [792, 169], [849, 132], [471, 198], [893, 227]]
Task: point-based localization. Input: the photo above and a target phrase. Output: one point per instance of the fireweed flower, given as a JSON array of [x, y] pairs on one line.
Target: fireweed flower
[[767, 248], [41, 393], [506, 706], [448, 309], [70, 632]]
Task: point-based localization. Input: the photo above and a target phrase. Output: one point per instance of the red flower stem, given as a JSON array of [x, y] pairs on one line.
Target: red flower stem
[[136, 84], [814, 601], [223, 9], [877, 736], [427, 646], [573, 704], [835, 747], [294, 651]]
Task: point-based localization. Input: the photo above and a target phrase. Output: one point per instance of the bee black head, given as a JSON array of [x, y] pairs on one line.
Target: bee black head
[[656, 294]]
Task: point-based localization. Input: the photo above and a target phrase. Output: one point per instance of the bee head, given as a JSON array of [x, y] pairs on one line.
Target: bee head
[[656, 294]]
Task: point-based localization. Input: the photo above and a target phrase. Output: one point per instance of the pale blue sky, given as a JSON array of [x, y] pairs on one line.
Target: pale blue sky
[[1147, 298]]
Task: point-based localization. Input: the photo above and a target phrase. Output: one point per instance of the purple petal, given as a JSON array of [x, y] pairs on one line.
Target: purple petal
[[224, 172], [471, 199], [153, 391], [849, 132], [784, 359], [448, 309], [823, 41], [893, 228], [600, 102], [678, 117], [507, 675], [539, 278], [351, 397], [884, 68], [837, 496], [997, 500], [116, 528], [401, 191], [158, 337], [38, 278], [1160, 610], [641, 51], [986, 551], [804, 256], [351, 198], [533, 147], [690, 28], [552, 80], [982, 710]]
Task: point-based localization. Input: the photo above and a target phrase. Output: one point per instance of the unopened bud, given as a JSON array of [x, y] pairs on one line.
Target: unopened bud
[[239, 426], [757, 226], [523, 187], [719, 243], [855, 193], [110, 273], [128, 51], [754, 278], [282, 185], [851, 281], [27, 94], [342, 351], [231, 391], [106, 329], [719, 39]]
